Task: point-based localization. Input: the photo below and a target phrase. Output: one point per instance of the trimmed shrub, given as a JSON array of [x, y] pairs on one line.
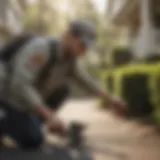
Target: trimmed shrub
[[108, 85], [121, 56], [131, 83], [139, 85], [153, 58], [154, 84], [109, 82], [104, 77], [136, 92]]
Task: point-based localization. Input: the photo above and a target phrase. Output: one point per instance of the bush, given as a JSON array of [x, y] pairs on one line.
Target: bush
[[154, 84], [136, 92], [126, 82], [106, 77], [109, 82], [131, 83], [139, 85], [121, 56], [153, 58]]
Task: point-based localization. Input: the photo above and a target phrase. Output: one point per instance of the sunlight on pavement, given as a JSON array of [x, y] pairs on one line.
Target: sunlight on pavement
[[112, 138]]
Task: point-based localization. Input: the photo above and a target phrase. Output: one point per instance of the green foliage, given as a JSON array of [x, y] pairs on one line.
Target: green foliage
[[31, 20], [131, 83], [154, 84], [154, 57], [139, 85], [107, 79], [43, 19], [88, 12], [135, 91], [108, 37], [108, 85], [121, 56]]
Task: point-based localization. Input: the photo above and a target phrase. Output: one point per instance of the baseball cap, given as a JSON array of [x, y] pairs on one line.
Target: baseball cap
[[85, 30]]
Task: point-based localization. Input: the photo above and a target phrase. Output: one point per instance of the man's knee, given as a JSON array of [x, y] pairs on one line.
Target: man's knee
[[30, 141], [31, 136], [24, 128]]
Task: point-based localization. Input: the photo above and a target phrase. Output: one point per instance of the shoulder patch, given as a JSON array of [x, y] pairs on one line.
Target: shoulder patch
[[36, 61]]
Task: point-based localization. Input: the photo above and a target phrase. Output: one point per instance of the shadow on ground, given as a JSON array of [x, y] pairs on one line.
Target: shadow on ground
[[54, 153], [108, 152]]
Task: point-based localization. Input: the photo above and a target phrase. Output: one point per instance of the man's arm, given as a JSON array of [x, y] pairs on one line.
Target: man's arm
[[28, 64], [88, 83]]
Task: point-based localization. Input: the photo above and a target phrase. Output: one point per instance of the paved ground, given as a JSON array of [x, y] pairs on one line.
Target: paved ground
[[112, 138]]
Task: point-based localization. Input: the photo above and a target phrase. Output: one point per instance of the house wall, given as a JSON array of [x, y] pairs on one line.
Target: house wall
[[114, 6], [146, 30], [142, 32], [147, 39]]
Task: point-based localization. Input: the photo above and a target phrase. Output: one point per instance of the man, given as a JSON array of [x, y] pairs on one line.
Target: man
[[31, 100]]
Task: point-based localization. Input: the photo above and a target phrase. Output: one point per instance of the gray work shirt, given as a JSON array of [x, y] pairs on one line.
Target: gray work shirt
[[26, 66]]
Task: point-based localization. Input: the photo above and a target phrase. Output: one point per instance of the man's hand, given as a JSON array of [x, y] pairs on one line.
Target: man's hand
[[118, 106], [56, 126]]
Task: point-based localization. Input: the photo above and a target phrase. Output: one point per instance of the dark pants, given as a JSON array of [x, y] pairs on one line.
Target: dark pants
[[25, 128]]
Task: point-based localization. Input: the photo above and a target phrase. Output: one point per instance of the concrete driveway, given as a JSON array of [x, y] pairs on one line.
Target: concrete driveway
[[112, 138], [109, 137]]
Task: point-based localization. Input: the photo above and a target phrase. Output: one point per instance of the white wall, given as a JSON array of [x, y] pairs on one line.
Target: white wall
[[116, 6]]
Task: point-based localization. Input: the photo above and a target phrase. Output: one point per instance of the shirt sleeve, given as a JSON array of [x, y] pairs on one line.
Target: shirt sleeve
[[28, 64], [85, 80]]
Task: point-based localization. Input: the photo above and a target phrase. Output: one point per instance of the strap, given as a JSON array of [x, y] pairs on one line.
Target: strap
[[11, 52], [44, 74], [12, 48]]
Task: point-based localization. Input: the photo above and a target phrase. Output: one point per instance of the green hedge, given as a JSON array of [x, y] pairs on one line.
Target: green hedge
[[121, 56], [131, 83], [138, 85], [152, 58], [106, 78], [154, 84]]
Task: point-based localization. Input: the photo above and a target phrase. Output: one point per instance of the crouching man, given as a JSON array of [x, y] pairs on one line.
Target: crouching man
[[38, 83]]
